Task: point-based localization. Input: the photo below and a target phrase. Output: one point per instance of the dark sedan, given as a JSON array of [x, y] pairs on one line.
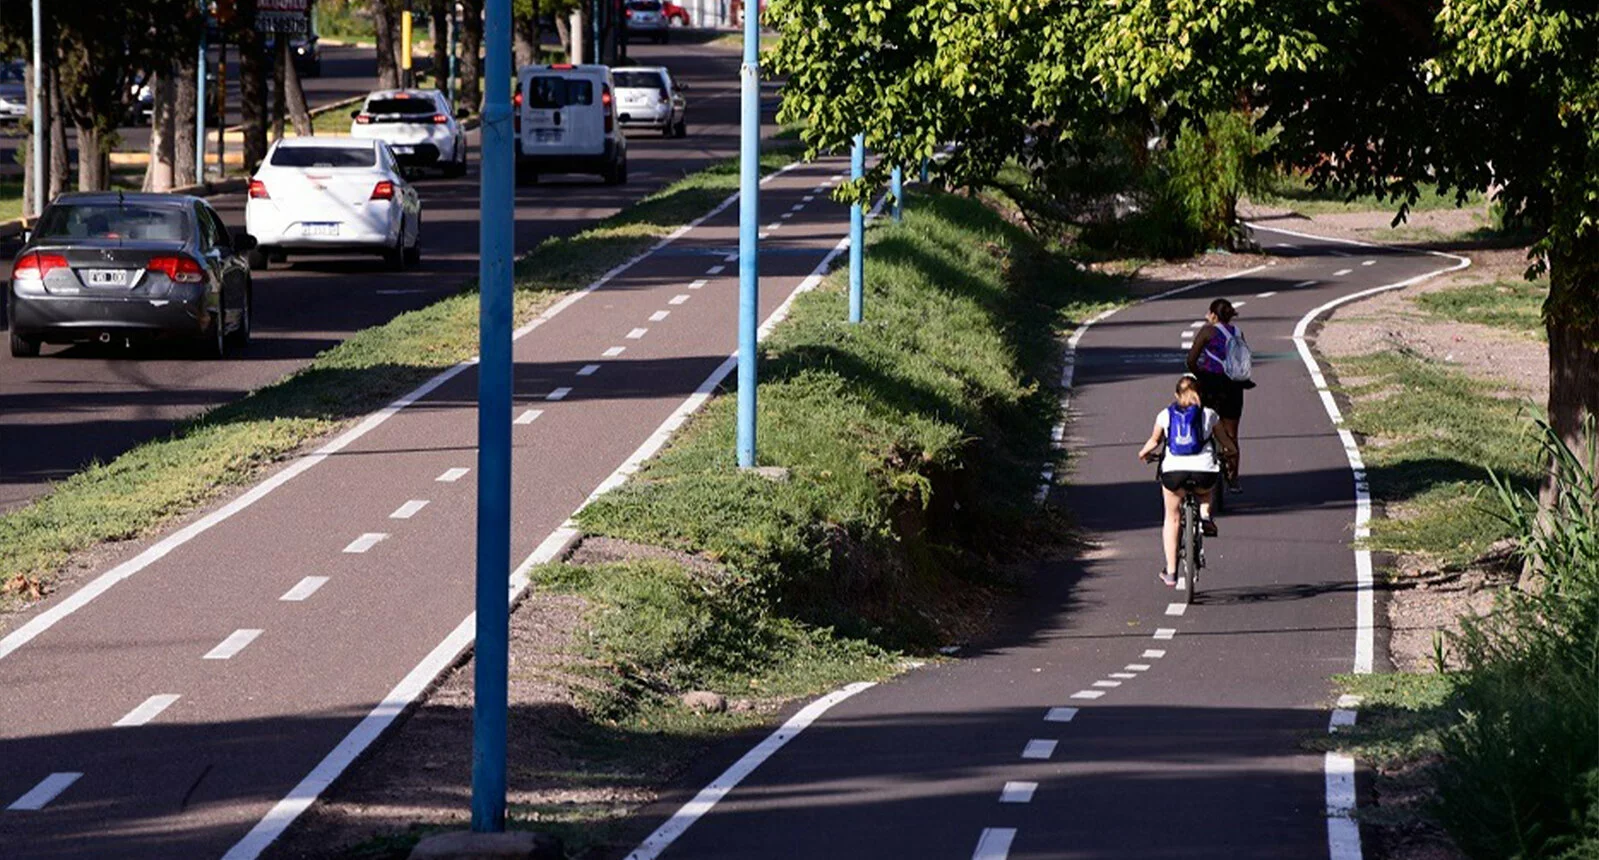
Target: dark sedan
[[113, 267]]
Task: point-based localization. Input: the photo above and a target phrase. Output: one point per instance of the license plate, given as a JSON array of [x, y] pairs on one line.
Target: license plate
[[106, 277], [319, 229], [548, 135], [403, 150]]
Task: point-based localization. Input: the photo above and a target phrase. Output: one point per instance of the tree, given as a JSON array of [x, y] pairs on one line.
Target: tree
[[385, 16], [252, 82], [470, 65], [439, 22], [185, 114]]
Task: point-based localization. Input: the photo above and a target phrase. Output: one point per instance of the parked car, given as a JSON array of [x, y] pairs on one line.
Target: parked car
[[647, 18], [649, 97], [330, 195], [107, 266], [675, 14], [418, 126], [566, 123], [13, 91]]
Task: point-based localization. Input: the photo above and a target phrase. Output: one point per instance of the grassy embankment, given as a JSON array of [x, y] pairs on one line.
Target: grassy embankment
[[233, 445]]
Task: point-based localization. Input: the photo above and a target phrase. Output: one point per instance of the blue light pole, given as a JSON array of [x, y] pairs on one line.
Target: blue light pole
[[857, 232], [897, 186], [199, 100], [40, 183], [493, 429], [749, 219]]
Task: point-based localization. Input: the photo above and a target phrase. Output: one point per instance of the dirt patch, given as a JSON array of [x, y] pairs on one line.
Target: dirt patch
[[1434, 225], [1149, 278]]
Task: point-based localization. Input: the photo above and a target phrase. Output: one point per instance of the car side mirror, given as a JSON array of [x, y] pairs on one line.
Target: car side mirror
[[243, 241]]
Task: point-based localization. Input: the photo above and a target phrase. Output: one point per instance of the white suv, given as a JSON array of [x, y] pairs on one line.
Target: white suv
[[566, 123], [418, 126]]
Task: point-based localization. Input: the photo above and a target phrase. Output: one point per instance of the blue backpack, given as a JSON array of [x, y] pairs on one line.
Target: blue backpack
[[1185, 430]]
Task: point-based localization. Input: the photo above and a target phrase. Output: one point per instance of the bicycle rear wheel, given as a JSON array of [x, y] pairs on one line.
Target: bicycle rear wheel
[[1188, 581]]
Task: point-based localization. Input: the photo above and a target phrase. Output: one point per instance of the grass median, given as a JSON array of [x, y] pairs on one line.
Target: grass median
[[233, 445]]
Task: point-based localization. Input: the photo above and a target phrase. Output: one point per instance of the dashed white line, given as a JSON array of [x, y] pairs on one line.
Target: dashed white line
[[1343, 834], [808, 198], [614, 351], [1107, 684], [148, 711], [409, 509], [637, 333], [1341, 272], [698, 284], [1137, 667], [1153, 654], [231, 646], [51, 787], [679, 299], [365, 542], [529, 416], [1197, 324], [1039, 748], [730, 258], [1124, 675], [1369, 263], [1239, 304], [304, 589], [1060, 715], [1303, 284], [714, 271], [994, 843], [1266, 295], [796, 207], [588, 370], [1174, 609], [559, 393], [1342, 718], [1165, 633], [786, 215], [659, 315], [1018, 792], [450, 476], [775, 225], [1088, 694]]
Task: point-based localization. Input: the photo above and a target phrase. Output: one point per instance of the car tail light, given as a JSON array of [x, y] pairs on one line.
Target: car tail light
[[561, 66], [440, 119], [258, 190], [182, 270], [384, 190], [605, 99], [363, 118], [33, 266]]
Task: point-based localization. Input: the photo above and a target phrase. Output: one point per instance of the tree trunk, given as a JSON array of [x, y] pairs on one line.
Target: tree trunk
[[252, 87], [30, 177], [386, 21], [524, 37], [93, 172], [471, 68], [299, 114], [439, 16], [1571, 317], [279, 108], [158, 172], [184, 114], [60, 159]]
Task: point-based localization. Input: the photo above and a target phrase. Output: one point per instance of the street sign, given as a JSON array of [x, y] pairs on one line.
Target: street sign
[[283, 16]]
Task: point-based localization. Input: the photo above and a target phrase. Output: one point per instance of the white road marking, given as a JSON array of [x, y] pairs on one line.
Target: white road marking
[[614, 351], [1303, 284], [559, 393], [698, 284], [1199, 324], [1342, 718], [1107, 684], [1341, 272], [715, 270], [47, 790], [365, 542], [786, 215], [408, 510], [1174, 609], [1285, 245], [1088, 694], [637, 333], [1039, 748], [1137, 667], [730, 258], [1343, 833], [808, 198], [1266, 295], [796, 207], [1153, 654], [1239, 304], [659, 315], [304, 589], [1060, 715], [762, 235], [1369, 263], [529, 416], [1018, 792], [1165, 633], [774, 226], [450, 476], [679, 299], [588, 370], [228, 648], [1124, 675], [994, 843], [148, 711]]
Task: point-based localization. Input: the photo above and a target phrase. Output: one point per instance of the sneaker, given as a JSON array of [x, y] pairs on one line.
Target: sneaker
[[1208, 527], [1167, 579]]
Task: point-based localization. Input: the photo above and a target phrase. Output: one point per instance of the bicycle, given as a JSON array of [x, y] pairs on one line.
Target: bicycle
[[1190, 537]]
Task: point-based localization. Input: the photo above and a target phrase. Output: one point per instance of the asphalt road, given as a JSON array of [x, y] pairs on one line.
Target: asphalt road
[[80, 404], [217, 670], [1107, 723]]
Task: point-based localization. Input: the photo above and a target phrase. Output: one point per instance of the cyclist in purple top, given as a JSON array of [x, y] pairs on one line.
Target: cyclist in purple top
[[1219, 391]]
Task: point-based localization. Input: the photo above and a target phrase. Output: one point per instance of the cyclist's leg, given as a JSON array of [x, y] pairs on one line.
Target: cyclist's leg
[[1173, 502]]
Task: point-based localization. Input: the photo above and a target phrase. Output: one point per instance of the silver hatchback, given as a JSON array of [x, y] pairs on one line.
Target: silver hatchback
[[647, 18], [649, 97]]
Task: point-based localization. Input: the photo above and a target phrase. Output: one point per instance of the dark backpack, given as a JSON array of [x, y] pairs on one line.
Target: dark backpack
[[1185, 430]]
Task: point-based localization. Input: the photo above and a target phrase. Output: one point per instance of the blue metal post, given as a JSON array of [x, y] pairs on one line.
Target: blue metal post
[[199, 100], [857, 233], [493, 429], [749, 220], [898, 188]]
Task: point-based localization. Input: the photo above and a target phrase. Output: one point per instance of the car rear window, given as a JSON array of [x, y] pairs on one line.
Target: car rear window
[[408, 107], [639, 81], [113, 221], [644, 5], [324, 156], [553, 91]]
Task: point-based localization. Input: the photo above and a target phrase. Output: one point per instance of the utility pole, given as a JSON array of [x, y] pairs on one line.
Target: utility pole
[[40, 182], [749, 214], [199, 98], [857, 233]]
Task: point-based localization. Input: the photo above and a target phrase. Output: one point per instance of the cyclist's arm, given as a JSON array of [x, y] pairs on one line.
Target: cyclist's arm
[[1156, 437], [1198, 349]]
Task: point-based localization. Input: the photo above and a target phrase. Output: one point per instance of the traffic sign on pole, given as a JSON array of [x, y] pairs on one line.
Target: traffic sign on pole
[[749, 214], [857, 233], [491, 655]]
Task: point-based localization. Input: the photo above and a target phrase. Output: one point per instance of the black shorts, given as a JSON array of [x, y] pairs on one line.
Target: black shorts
[[1174, 481], [1220, 393]]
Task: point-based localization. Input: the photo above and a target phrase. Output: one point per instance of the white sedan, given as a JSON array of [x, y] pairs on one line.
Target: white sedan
[[418, 125], [332, 195]]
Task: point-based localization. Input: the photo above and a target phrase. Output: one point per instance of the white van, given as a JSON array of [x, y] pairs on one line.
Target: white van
[[566, 123]]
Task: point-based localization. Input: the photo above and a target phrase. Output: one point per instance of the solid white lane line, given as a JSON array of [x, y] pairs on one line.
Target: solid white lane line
[[1060, 715], [148, 711], [614, 351], [1107, 684], [1124, 675], [1137, 667], [559, 393], [1303, 284], [529, 416], [679, 299], [698, 284], [1369, 263], [1266, 295], [994, 843], [637, 333], [1018, 792], [450, 476], [588, 370], [365, 542], [659, 315], [408, 510], [1341, 272], [304, 589], [1039, 748], [1174, 609], [231, 646], [1165, 633], [708, 797], [1343, 833], [1153, 654], [1088, 694], [47, 790], [713, 271]]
